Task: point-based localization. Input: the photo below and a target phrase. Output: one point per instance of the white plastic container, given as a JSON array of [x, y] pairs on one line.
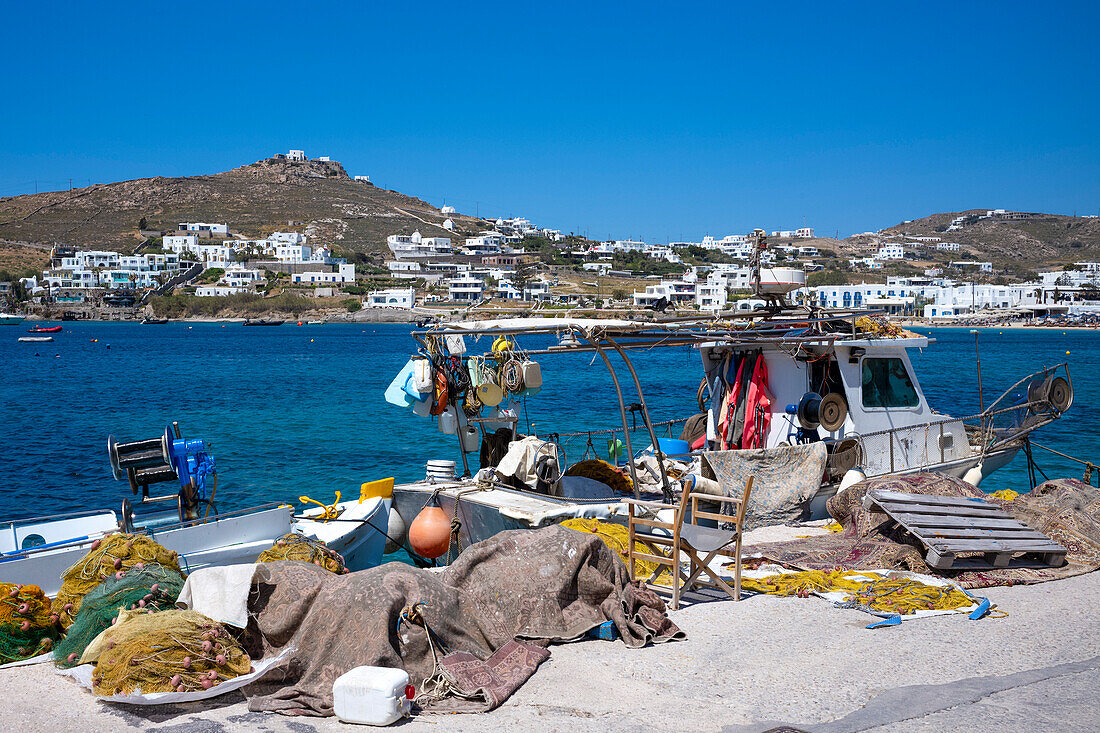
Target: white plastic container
[[471, 439], [532, 375], [371, 696], [448, 421]]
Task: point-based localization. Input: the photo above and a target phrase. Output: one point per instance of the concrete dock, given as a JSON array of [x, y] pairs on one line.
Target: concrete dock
[[746, 666]]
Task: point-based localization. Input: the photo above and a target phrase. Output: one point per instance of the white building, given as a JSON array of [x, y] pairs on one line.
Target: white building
[[415, 246], [804, 233], [891, 252], [972, 266], [292, 254], [212, 254], [447, 210], [466, 288], [299, 155], [344, 274], [949, 246], [449, 225], [105, 269], [198, 226], [362, 179], [485, 243], [392, 298]]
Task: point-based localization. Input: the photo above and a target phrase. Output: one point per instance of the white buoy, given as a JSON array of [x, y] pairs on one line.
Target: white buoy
[[974, 475], [395, 532], [851, 477]]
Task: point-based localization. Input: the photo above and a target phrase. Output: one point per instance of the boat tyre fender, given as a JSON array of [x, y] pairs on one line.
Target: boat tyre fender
[[701, 395]]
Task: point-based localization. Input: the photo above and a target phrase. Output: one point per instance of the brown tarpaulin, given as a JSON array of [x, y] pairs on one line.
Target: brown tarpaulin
[[1066, 510], [493, 611]]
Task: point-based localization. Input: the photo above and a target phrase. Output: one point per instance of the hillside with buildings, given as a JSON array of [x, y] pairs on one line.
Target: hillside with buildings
[[283, 192], [1013, 241]]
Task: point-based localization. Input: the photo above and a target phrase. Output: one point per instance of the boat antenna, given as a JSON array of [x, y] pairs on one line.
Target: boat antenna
[[758, 243]]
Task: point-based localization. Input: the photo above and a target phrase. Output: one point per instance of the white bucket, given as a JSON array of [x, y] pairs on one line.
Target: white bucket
[[371, 696]]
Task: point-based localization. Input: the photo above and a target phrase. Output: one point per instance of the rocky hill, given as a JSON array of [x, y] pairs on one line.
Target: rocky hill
[[317, 197], [1011, 240]]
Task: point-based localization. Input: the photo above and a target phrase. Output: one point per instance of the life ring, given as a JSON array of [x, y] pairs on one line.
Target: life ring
[[502, 344]]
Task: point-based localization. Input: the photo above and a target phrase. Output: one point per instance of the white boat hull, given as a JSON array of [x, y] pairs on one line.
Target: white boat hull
[[230, 540], [359, 534]]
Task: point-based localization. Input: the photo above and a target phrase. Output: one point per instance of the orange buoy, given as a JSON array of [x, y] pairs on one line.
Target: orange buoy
[[430, 533]]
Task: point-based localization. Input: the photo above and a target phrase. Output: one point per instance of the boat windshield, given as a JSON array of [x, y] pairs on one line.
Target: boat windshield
[[886, 383]]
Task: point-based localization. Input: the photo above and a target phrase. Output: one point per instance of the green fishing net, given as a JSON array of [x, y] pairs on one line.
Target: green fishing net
[[152, 587]]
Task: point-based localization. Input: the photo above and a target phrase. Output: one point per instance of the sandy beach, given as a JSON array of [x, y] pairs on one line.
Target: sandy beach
[[747, 666]]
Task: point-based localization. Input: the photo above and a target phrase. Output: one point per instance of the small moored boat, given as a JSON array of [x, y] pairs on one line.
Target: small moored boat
[[263, 322], [35, 339], [44, 329]]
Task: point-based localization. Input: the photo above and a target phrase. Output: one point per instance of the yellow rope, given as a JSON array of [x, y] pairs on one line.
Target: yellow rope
[[330, 510]]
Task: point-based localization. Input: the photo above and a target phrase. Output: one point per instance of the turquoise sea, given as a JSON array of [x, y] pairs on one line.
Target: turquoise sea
[[296, 411]]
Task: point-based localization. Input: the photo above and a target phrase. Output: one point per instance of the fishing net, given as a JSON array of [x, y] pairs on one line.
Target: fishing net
[[111, 555], [27, 625], [890, 595], [602, 471], [170, 651], [293, 546], [153, 586], [616, 537]]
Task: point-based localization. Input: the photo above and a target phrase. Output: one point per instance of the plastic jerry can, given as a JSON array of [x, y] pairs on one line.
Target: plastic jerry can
[[372, 695]]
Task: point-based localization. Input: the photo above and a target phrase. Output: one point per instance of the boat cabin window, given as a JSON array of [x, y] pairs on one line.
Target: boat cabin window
[[886, 383]]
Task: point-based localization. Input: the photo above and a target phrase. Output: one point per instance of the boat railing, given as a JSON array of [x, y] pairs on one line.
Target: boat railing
[[1008, 419]]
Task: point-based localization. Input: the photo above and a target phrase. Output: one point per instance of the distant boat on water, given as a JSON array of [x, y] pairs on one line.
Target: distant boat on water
[[35, 339], [263, 322], [8, 319], [153, 321], [44, 329]]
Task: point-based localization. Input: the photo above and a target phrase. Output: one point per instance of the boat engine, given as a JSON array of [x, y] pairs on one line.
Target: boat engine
[[171, 457]]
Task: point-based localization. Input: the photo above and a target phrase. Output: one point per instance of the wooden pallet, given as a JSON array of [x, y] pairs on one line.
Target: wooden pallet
[[948, 526]]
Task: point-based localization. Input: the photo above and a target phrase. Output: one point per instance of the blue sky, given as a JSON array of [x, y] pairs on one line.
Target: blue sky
[[638, 119]]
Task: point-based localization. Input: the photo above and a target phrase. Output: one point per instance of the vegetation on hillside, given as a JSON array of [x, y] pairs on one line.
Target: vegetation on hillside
[[185, 306]]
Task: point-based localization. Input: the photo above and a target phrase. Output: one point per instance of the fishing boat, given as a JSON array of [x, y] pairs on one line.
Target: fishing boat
[[9, 319], [45, 329], [263, 322], [153, 321], [842, 379], [35, 339], [38, 550]]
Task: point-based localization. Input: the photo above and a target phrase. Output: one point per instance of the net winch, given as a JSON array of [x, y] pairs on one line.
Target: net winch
[[165, 459]]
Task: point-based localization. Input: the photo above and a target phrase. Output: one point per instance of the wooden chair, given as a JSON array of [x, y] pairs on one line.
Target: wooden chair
[[700, 544]]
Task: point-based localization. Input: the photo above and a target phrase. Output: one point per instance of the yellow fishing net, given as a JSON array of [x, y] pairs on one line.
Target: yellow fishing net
[[169, 651], [1005, 494], [112, 555], [615, 536], [293, 546], [891, 595], [27, 625]]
